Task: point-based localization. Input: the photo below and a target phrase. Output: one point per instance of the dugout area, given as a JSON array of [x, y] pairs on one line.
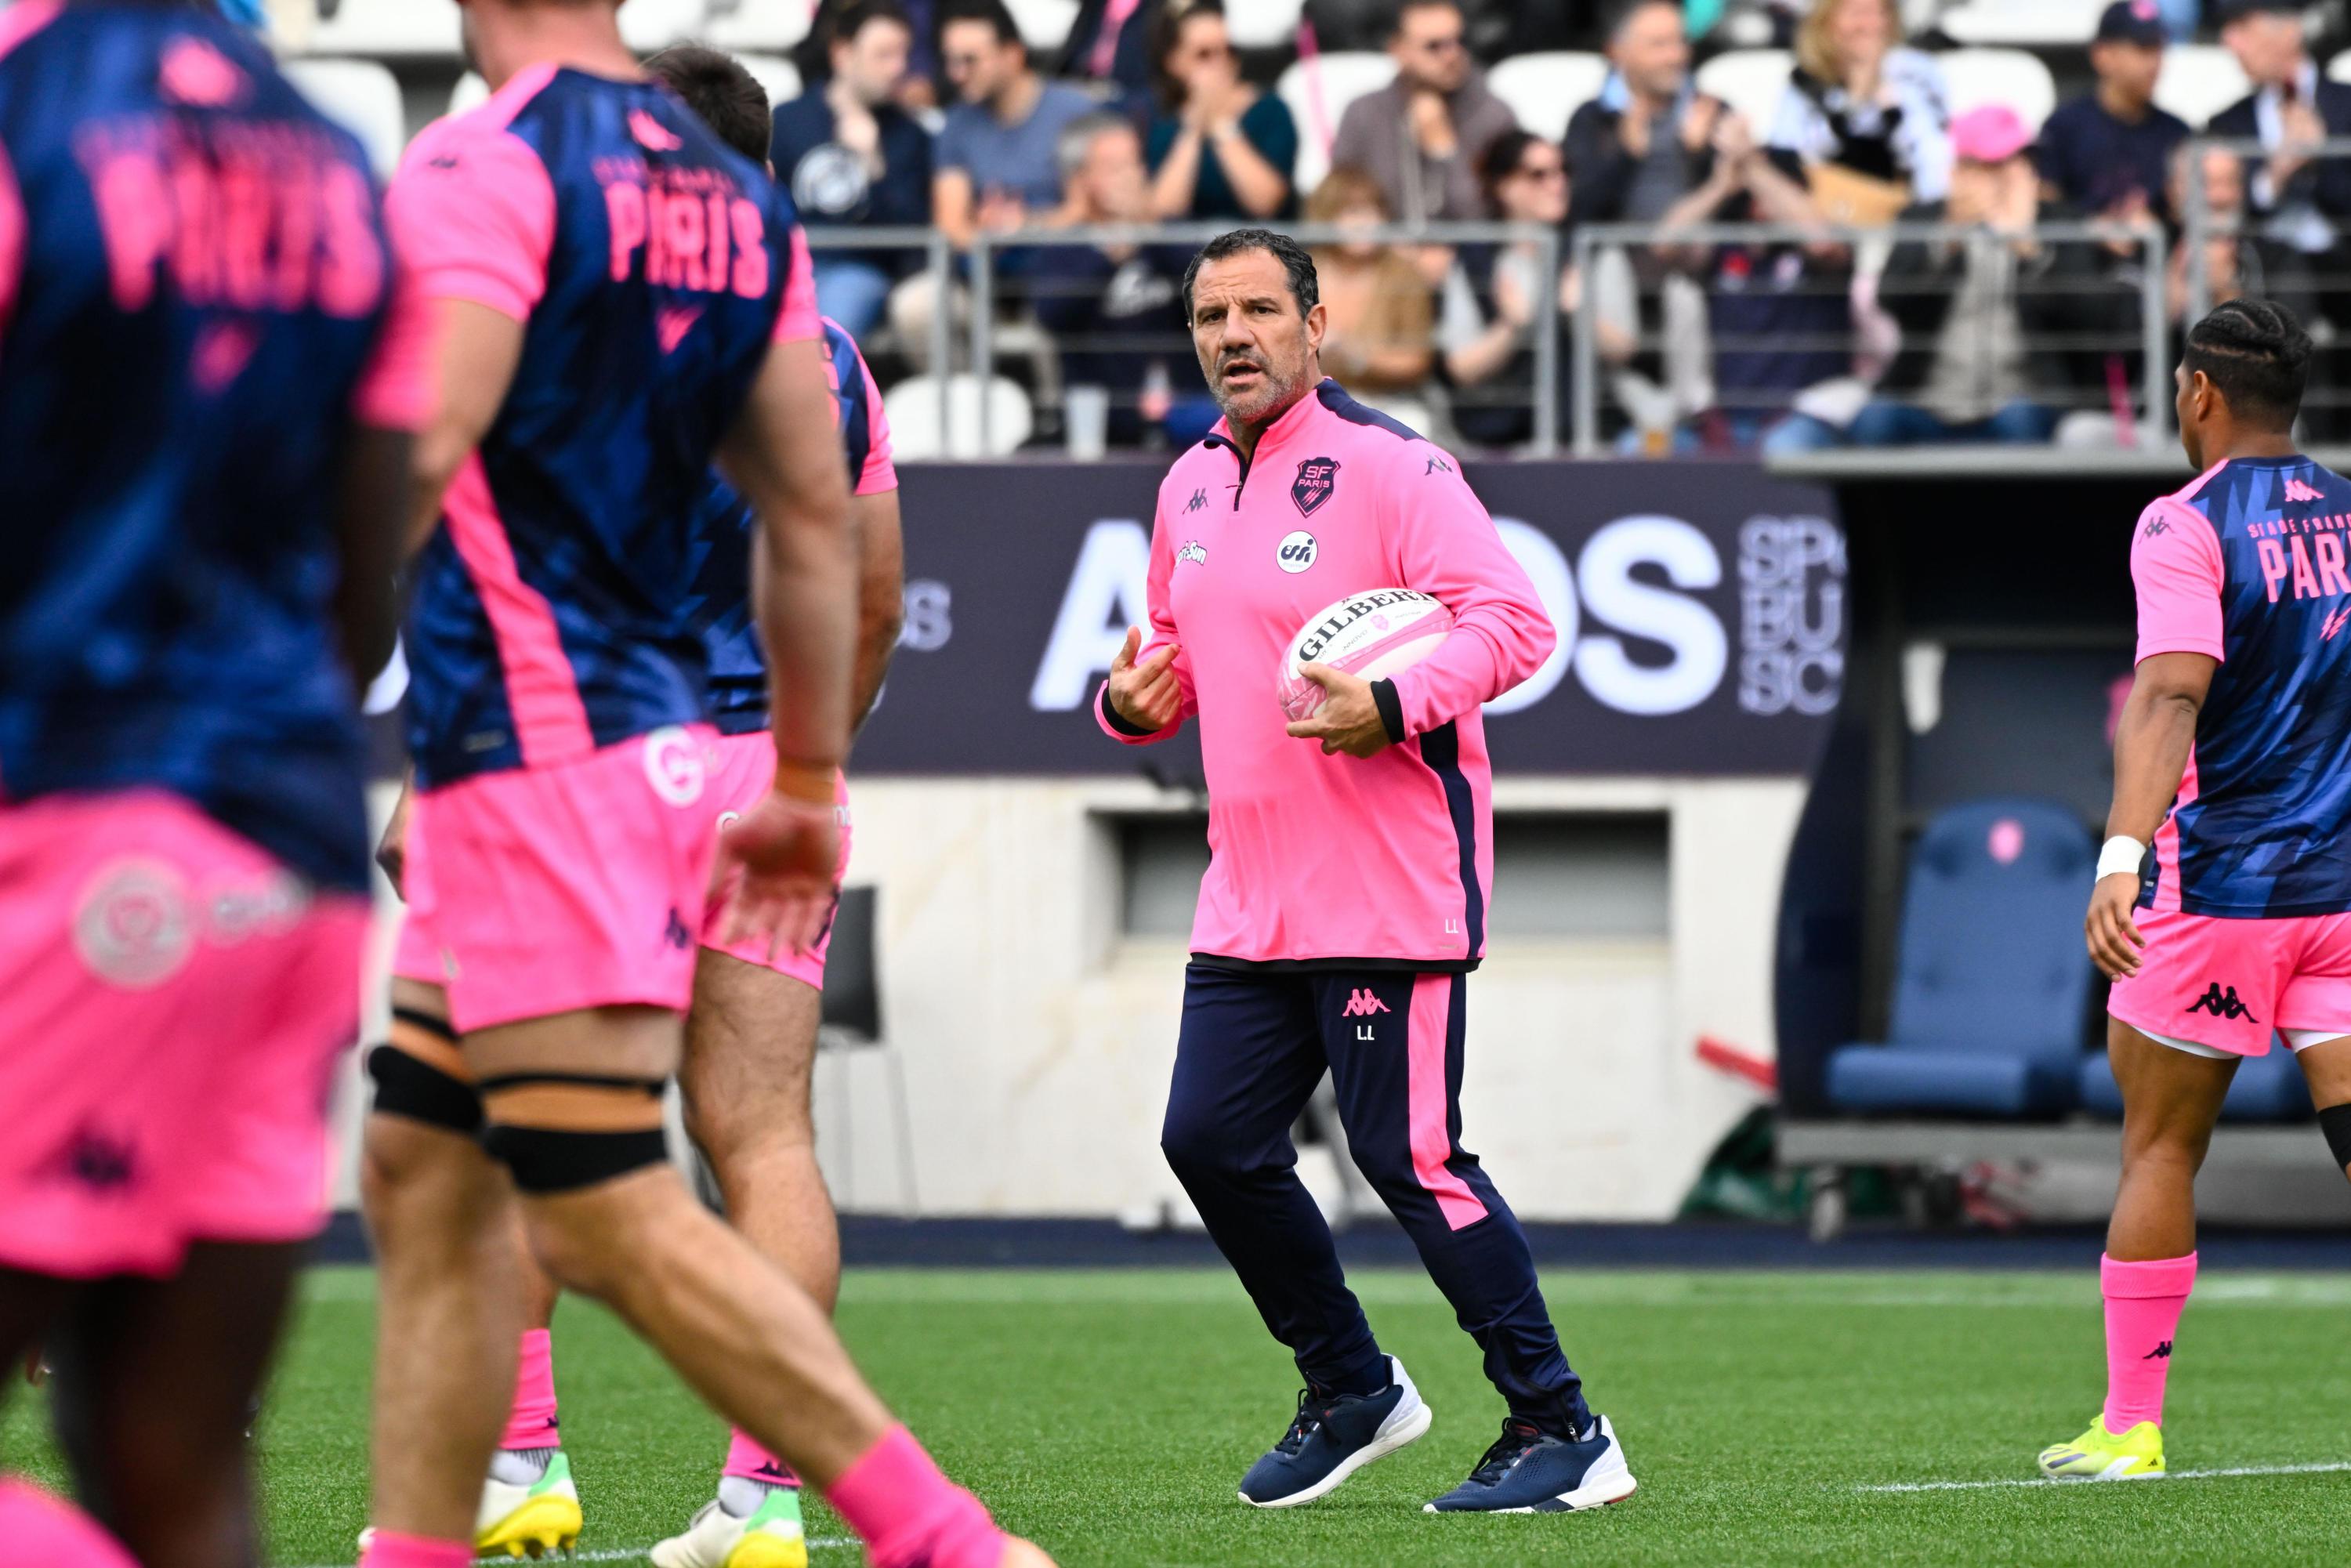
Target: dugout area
[[1990, 643]]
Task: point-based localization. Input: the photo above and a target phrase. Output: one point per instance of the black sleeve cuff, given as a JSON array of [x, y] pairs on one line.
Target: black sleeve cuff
[[1113, 717], [1391, 705]]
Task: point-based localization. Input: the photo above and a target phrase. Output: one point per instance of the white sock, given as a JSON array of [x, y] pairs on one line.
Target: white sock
[[521, 1467]]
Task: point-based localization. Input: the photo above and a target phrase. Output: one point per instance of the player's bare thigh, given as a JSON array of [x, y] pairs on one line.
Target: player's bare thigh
[[2326, 1067], [2172, 1098], [750, 1054], [635, 1043]]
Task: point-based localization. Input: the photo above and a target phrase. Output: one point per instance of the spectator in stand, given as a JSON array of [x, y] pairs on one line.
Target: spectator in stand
[[851, 157], [1377, 339], [1869, 118], [1110, 45], [2302, 202], [1420, 137], [1635, 151], [1117, 310], [2109, 153], [1998, 328], [917, 89], [1218, 148], [999, 163], [1492, 306], [2238, 264]]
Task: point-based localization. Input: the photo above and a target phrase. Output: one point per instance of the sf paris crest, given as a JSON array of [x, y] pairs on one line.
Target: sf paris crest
[[1317, 479]]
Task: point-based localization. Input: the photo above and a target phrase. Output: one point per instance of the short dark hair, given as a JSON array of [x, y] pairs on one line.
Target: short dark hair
[[1406, 7], [859, 14], [1501, 159], [995, 13], [2257, 356], [1297, 267], [729, 99]]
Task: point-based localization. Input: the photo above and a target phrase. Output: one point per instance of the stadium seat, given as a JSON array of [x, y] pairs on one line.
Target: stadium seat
[[2049, 23], [1318, 91], [778, 75], [1264, 23], [470, 93], [915, 435], [2266, 1089], [1544, 89], [395, 28], [2011, 77], [650, 25], [363, 98], [1751, 81], [2198, 81], [769, 26], [1044, 23], [1991, 985]]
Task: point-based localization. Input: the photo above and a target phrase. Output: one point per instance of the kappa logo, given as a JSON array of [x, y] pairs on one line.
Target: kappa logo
[[1199, 502], [674, 932], [652, 134], [1363, 1004], [1436, 466], [2334, 623], [2221, 1004], [2299, 493], [673, 323], [1296, 552], [2161, 1352], [1193, 551], [2154, 526], [1317, 479], [96, 1161]]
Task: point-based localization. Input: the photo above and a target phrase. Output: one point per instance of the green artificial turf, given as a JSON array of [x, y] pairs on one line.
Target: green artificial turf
[[1109, 1415]]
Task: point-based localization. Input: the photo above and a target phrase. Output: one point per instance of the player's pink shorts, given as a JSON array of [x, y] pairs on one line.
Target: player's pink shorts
[[2227, 984], [746, 771], [173, 1001], [541, 891]]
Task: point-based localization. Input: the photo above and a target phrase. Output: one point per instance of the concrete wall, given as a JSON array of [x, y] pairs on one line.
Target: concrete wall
[[1035, 1039]]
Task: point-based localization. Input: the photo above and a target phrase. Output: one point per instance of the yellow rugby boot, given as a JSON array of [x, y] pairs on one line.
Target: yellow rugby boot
[[2098, 1455], [534, 1519]]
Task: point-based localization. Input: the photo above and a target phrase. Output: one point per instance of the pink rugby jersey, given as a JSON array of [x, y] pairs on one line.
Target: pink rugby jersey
[[1336, 862]]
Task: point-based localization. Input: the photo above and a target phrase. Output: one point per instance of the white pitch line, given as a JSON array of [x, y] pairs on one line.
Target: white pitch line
[[2328, 1469], [632, 1554]]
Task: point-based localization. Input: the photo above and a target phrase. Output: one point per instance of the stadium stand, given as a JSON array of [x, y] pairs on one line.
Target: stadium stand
[[361, 96], [917, 434], [390, 30], [769, 26], [2011, 78], [1318, 90], [2198, 81], [1264, 23], [1544, 89], [1993, 985], [1748, 81], [1044, 23], [649, 24], [2046, 23]]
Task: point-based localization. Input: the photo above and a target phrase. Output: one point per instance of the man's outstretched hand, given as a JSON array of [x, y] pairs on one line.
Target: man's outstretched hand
[[1348, 720], [1147, 696], [789, 850]]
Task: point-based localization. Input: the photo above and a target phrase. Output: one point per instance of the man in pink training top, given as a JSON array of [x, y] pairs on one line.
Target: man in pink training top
[[622, 300], [1345, 900], [2222, 909]]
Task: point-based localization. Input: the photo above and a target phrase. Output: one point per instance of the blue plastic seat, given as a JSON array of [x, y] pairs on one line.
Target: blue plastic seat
[[1991, 986], [2266, 1088]]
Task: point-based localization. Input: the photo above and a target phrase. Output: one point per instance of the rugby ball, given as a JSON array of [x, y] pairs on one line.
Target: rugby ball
[[1373, 634]]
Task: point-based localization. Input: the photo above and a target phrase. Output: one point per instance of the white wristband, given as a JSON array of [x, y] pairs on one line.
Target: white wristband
[[2122, 856]]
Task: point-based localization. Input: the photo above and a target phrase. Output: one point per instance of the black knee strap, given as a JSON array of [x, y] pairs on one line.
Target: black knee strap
[[2336, 1123], [547, 1160], [551, 1159], [421, 1092]]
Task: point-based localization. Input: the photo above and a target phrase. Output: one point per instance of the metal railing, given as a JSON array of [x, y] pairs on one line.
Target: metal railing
[[940, 263], [2200, 224], [1593, 239]]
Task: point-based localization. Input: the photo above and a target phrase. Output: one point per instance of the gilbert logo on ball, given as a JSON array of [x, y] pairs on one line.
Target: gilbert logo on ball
[[1374, 633]]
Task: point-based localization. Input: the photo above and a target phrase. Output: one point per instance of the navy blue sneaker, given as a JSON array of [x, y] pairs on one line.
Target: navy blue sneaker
[[1528, 1471], [1334, 1436]]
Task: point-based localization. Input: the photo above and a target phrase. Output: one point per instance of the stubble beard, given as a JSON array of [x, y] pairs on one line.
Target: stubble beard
[[1274, 394]]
